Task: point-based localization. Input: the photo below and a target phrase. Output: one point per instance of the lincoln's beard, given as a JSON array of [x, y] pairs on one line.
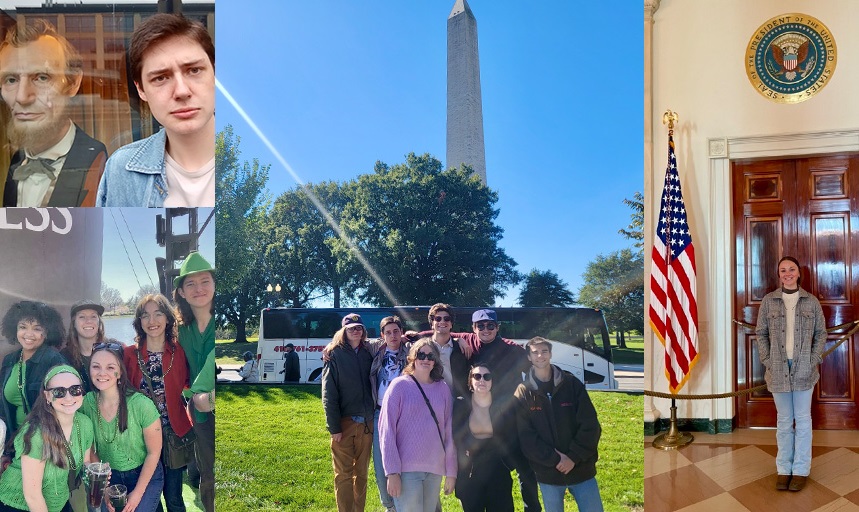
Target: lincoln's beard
[[38, 136]]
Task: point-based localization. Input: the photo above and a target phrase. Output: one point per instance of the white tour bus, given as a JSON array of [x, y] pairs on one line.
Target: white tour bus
[[580, 341]]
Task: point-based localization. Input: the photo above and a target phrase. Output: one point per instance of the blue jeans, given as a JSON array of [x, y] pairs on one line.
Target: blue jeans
[[173, 490], [420, 492], [794, 446], [586, 494], [151, 496], [381, 479]]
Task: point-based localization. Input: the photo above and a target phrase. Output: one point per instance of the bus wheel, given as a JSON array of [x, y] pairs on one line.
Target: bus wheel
[[314, 376]]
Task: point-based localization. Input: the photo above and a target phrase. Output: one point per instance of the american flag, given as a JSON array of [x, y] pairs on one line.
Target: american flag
[[673, 306]]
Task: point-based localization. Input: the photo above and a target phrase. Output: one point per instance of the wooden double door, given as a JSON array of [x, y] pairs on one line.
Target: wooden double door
[[806, 208]]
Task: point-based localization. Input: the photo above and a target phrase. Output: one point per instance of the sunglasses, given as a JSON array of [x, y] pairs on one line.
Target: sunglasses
[[60, 392], [485, 376], [425, 356], [441, 318], [355, 328], [108, 346], [486, 326]]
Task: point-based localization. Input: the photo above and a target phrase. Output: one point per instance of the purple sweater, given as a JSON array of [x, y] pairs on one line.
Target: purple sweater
[[407, 433]]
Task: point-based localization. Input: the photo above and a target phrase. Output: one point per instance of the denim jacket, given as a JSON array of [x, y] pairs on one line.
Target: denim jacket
[[809, 339], [135, 175]]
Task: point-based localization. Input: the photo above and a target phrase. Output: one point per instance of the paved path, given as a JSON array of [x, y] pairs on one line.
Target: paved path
[[630, 377]]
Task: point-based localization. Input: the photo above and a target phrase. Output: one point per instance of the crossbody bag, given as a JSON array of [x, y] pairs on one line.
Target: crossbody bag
[[435, 419]]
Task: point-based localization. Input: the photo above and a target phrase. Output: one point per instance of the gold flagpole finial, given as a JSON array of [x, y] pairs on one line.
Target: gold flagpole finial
[[670, 117]]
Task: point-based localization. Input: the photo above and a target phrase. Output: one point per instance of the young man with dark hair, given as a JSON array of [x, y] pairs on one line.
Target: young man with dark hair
[[56, 164], [454, 362], [194, 294], [173, 68], [558, 431]]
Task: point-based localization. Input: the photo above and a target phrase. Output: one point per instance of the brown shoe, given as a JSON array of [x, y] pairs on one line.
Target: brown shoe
[[782, 482], [797, 483]]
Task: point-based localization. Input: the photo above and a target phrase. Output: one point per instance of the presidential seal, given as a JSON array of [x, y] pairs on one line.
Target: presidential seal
[[790, 58]]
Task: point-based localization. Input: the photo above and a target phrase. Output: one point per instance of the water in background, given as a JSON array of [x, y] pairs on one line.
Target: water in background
[[119, 327]]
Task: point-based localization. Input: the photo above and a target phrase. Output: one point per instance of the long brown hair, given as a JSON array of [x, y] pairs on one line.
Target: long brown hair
[[184, 313], [163, 303], [42, 419], [437, 372], [72, 347], [341, 339], [122, 383]]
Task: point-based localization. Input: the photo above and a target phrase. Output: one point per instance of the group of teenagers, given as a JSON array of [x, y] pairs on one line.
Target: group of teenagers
[[464, 409], [71, 398]]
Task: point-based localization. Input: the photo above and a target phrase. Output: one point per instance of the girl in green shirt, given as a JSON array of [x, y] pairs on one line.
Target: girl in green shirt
[[54, 440], [127, 428]]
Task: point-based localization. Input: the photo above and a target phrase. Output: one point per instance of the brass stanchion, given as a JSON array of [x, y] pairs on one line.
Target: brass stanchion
[[673, 439]]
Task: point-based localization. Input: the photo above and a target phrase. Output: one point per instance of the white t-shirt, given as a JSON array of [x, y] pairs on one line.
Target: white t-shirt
[[389, 371], [790, 302], [189, 188]]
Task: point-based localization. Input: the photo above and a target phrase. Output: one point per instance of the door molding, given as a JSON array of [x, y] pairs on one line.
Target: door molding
[[720, 273]]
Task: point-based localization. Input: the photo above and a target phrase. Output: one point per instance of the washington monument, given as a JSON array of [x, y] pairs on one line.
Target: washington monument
[[464, 104]]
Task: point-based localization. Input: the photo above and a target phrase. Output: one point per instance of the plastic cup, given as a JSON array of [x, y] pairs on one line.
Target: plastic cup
[[118, 496], [96, 479]]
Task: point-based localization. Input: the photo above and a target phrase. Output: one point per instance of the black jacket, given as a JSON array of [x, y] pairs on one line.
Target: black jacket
[[506, 362], [564, 420], [346, 386], [500, 448], [291, 367], [35, 370], [77, 183]]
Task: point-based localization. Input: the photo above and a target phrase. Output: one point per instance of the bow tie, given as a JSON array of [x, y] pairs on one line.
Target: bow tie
[[35, 166]]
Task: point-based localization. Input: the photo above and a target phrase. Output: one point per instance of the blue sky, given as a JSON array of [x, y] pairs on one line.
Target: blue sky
[[336, 85], [130, 233]]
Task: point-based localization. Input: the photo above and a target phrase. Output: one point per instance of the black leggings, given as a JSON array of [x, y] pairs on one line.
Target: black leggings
[[486, 487]]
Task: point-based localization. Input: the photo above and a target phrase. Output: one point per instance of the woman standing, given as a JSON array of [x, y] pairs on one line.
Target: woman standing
[[127, 428], [415, 432], [86, 330], [157, 367], [38, 329], [791, 334], [484, 482], [54, 442]]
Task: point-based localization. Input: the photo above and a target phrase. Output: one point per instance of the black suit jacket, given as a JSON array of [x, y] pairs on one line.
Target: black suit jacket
[[77, 183]]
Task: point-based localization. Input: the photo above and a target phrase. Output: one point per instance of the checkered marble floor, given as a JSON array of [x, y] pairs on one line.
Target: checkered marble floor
[[736, 472]]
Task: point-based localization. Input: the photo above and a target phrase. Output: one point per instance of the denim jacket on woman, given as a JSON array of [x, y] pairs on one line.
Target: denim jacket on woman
[[809, 338], [135, 175]]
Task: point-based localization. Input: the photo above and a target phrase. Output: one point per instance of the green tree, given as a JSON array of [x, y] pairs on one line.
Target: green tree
[[303, 253], [615, 284], [635, 229], [545, 289], [239, 217], [427, 234]]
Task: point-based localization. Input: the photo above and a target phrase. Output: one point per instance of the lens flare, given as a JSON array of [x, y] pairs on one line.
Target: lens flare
[[359, 255]]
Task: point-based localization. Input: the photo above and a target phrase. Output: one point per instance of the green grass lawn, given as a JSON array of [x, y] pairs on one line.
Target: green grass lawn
[[632, 354], [230, 352], [273, 452]]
